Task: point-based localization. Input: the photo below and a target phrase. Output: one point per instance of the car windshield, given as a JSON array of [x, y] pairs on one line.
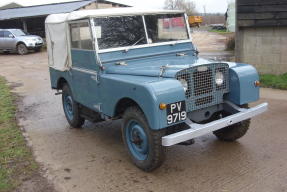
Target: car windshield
[[163, 28], [18, 32], [125, 31], [115, 32]]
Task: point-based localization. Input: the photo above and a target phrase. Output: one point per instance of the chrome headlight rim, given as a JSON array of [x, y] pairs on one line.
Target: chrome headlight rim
[[184, 84], [219, 78]]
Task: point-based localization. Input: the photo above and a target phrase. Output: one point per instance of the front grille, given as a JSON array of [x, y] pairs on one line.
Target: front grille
[[202, 90], [202, 82], [203, 100]]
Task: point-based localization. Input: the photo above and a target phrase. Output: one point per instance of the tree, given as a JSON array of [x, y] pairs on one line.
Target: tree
[[187, 5]]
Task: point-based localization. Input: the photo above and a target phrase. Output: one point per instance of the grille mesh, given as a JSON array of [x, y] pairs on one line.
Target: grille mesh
[[202, 90]]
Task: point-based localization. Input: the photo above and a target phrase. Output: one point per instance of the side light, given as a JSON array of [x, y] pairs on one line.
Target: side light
[[257, 83], [162, 106]]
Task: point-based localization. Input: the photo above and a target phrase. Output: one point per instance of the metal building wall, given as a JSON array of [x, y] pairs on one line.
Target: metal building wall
[[261, 38]]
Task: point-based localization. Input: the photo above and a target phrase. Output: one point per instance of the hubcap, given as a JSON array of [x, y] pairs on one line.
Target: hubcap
[[137, 140], [21, 49], [68, 106]]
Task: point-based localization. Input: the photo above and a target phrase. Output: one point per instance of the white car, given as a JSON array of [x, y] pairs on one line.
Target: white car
[[17, 40]]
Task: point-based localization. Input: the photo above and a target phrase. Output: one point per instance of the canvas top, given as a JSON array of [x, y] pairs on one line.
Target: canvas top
[[57, 30], [75, 15]]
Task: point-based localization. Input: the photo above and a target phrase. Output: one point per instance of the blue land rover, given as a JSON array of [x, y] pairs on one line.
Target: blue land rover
[[142, 67]]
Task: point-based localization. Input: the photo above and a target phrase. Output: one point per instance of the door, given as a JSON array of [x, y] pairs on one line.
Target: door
[[84, 65], [9, 40]]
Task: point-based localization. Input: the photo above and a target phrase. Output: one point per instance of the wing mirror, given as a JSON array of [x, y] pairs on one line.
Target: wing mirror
[[11, 36]]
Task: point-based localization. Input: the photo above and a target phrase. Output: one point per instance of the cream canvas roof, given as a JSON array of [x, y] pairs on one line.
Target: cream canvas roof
[[75, 15], [57, 31]]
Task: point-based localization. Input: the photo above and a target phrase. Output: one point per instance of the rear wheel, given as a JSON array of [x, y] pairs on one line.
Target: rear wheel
[[233, 132], [71, 108], [22, 49], [142, 143]]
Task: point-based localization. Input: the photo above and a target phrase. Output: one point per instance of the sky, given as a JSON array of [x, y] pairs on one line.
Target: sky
[[211, 6]]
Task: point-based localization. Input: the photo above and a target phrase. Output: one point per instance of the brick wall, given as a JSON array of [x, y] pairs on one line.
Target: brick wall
[[263, 47]]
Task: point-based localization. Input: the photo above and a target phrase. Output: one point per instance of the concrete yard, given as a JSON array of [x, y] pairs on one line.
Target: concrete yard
[[94, 159]]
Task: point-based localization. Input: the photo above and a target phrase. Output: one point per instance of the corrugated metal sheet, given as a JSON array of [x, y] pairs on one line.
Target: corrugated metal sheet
[[42, 9]]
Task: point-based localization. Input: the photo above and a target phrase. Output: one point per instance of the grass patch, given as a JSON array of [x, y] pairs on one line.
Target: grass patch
[[16, 160], [274, 81]]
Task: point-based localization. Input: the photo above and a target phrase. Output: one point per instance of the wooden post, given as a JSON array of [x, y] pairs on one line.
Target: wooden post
[[25, 25]]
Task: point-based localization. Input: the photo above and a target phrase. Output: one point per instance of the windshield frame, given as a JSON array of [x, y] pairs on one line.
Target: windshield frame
[[127, 48]]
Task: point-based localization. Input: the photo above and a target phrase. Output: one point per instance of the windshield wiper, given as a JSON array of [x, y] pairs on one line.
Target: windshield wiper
[[134, 44]]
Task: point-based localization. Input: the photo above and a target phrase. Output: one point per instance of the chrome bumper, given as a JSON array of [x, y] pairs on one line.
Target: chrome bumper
[[197, 130]]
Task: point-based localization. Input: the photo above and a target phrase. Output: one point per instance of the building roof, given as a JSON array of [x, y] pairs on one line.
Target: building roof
[[75, 15], [48, 9], [10, 5]]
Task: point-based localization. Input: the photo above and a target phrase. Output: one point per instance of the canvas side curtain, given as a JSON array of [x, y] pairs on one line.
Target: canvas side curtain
[[57, 45]]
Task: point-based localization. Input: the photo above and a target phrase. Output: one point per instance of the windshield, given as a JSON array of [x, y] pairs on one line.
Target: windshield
[[18, 32], [115, 32], [125, 31], [163, 28]]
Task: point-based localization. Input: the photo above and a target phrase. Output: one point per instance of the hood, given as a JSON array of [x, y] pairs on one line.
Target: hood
[[28, 37], [166, 66]]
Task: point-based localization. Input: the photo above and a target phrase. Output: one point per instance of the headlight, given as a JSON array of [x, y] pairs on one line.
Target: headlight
[[219, 78], [30, 41], [184, 84]]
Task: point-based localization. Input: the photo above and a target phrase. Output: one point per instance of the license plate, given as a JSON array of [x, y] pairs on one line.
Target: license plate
[[176, 112]]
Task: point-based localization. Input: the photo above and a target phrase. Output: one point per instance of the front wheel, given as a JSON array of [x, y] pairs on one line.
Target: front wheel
[[233, 132], [142, 143], [22, 49], [71, 108]]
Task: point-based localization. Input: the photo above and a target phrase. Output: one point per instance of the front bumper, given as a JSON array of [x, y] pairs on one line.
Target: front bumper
[[35, 45], [197, 130]]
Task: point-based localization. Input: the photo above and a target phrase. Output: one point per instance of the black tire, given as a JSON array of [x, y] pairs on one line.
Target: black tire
[[74, 119], [155, 154], [233, 132], [22, 49]]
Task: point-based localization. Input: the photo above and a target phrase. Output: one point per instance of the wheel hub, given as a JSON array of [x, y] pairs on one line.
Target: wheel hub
[[137, 140], [68, 106]]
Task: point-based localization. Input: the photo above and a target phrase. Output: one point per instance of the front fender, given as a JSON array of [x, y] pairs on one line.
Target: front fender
[[147, 92], [242, 88], [24, 41]]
